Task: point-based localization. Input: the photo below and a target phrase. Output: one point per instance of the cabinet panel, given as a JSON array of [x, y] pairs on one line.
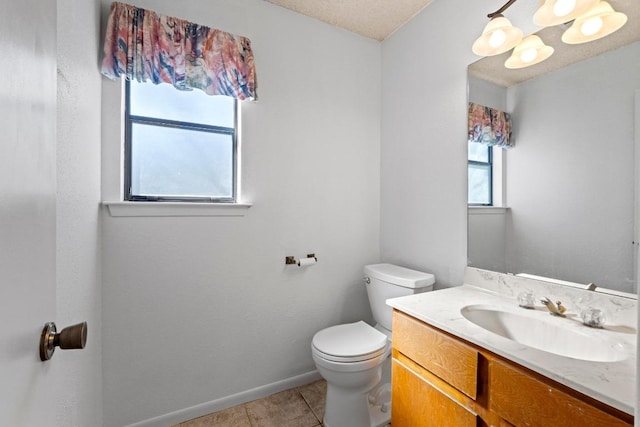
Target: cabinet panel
[[525, 400], [440, 380], [444, 356], [417, 403]]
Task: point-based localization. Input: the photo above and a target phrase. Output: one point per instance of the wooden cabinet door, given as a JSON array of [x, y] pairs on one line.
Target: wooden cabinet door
[[416, 402], [524, 400], [444, 356]]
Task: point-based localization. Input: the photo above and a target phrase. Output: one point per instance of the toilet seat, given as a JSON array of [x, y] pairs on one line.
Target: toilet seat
[[349, 343]]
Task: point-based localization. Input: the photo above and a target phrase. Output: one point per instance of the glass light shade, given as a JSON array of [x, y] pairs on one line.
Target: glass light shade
[[564, 7], [555, 12], [530, 51], [498, 36], [599, 22], [591, 26]]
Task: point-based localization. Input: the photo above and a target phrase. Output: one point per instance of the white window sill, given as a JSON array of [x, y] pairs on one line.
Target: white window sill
[[142, 209], [487, 210]]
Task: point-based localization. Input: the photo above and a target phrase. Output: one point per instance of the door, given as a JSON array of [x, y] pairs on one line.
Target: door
[[27, 208]]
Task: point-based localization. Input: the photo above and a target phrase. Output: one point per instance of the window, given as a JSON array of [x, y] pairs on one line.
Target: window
[[480, 179], [179, 145]]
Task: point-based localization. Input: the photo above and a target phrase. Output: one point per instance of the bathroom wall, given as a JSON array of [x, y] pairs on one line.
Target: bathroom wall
[[424, 144], [556, 227], [78, 396], [486, 93], [487, 235], [197, 309]]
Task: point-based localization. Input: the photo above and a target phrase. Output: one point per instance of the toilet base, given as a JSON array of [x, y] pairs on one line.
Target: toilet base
[[378, 417], [380, 405], [379, 413]]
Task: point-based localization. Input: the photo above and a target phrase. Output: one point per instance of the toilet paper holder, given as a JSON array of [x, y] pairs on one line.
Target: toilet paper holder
[[292, 260]]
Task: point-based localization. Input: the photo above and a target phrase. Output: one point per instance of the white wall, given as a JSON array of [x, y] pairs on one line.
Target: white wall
[[197, 309], [486, 93], [636, 115], [571, 175], [424, 143], [79, 390], [486, 238]]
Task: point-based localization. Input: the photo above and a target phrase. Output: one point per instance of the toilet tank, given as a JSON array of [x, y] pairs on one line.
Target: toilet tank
[[386, 281]]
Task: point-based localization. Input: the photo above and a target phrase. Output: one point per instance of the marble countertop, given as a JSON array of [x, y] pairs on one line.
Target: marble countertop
[[610, 382]]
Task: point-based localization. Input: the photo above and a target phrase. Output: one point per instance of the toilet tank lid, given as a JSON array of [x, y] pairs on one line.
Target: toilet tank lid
[[400, 276]]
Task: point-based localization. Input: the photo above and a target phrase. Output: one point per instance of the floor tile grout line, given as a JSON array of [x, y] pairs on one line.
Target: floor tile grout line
[[309, 406], [246, 412], [319, 417], [297, 391]]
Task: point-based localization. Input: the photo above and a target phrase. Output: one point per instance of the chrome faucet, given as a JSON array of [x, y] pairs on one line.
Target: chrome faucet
[[556, 309]]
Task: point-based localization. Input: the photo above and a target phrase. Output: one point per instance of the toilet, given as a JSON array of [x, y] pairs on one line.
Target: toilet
[[354, 358]]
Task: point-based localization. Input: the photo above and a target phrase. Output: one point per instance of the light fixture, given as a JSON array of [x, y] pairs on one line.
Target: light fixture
[[599, 22], [555, 12], [592, 19], [498, 36], [530, 51]]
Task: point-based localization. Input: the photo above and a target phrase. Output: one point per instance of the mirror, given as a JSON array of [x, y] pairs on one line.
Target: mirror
[[569, 182]]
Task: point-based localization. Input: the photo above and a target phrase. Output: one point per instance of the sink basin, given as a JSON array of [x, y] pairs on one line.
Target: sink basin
[[548, 336]]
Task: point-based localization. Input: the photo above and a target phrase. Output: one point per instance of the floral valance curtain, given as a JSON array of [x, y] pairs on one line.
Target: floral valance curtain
[[142, 45], [489, 126]]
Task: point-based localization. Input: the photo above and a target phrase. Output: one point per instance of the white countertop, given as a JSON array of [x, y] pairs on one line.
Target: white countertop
[[610, 382]]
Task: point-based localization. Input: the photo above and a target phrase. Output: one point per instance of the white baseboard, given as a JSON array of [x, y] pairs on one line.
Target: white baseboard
[[202, 409]]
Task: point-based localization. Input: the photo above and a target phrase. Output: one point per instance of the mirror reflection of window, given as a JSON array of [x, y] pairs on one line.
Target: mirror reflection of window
[[480, 171]]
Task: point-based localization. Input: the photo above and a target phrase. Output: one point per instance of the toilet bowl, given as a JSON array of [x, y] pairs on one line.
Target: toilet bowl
[[354, 358], [350, 358]]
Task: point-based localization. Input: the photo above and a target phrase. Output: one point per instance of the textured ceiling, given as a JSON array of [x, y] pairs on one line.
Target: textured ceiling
[[376, 19]]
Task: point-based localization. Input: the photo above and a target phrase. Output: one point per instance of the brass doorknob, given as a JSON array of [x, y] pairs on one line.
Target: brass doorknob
[[71, 337]]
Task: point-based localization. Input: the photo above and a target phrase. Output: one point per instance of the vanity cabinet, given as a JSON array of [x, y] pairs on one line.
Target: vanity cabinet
[[441, 380]]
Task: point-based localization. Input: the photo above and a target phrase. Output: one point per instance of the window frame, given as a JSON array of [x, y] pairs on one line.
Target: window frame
[[489, 164], [130, 119]]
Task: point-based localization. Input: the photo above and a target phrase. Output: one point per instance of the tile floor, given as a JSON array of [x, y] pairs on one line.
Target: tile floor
[[298, 407]]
